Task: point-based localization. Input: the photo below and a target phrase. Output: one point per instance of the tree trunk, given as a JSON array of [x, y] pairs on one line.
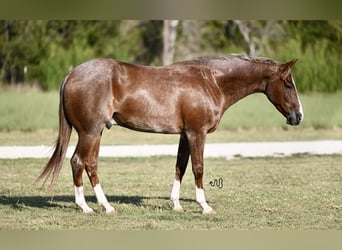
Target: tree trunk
[[169, 39], [246, 33]]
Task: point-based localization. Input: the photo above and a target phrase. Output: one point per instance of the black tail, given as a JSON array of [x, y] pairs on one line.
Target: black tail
[[54, 165]]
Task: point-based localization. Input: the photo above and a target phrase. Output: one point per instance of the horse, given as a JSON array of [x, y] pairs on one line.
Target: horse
[[187, 98]]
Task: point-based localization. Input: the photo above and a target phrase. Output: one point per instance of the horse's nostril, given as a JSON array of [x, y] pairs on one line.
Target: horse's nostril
[[294, 118], [299, 117]]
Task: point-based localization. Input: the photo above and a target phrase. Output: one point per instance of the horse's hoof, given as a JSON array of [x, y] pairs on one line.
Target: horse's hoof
[[110, 210], [107, 207], [178, 209], [210, 212], [88, 211]]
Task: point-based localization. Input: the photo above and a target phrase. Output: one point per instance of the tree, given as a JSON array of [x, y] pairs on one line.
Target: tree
[[258, 35], [169, 39]]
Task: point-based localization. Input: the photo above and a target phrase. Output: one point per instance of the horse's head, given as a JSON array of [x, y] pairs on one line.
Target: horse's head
[[281, 91]]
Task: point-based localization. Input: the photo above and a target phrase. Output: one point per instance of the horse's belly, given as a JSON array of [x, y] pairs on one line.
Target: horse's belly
[[149, 112], [149, 123]]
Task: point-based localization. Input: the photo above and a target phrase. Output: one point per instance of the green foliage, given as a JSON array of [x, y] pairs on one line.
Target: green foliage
[[42, 52], [49, 49], [59, 61], [319, 65]]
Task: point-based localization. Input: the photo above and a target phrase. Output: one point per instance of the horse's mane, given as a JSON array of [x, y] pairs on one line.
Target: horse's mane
[[221, 62], [207, 60], [262, 60]]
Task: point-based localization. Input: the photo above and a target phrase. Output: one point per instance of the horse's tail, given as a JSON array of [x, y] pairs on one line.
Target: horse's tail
[[54, 165]]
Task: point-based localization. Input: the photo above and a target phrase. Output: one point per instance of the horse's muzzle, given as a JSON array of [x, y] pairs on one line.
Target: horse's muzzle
[[294, 118]]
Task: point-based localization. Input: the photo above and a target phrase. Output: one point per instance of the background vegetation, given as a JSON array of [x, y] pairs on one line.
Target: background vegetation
[[42, 52]]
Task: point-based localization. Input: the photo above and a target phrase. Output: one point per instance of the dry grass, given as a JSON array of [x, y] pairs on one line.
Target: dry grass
[[299, 192]]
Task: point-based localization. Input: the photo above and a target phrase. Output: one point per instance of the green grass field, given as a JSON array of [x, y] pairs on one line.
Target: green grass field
[[299, 192], [31, 118]]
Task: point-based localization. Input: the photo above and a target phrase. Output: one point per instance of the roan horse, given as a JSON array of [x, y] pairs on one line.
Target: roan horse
[[186, 98]]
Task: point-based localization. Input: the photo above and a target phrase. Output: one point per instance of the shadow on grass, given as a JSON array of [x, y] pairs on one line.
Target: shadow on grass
[[17, 202]]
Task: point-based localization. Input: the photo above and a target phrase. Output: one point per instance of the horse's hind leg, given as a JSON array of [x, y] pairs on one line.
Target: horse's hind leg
[[86, 157], [77, 165], [182, 162]]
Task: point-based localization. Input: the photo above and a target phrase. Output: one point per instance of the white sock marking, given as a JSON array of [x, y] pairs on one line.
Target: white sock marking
[[175, 195], [101, 199], [80, 200], [200, 198]]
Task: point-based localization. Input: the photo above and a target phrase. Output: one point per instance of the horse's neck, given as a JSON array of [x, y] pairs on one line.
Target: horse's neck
[[238, 89], [237, 85]]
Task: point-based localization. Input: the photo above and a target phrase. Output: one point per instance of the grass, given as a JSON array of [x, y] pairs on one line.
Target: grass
[[31, 118], [298, 192], [28, 110]]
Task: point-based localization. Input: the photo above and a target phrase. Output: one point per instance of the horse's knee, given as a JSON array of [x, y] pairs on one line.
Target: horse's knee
[[198, 173], [197, 170]]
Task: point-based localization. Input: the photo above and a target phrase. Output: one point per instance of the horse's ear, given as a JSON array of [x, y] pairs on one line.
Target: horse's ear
[[285, 68]]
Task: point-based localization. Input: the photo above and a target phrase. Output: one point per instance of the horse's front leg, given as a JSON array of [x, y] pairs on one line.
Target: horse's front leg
[[196, 143], [91, 169], [182, 162]]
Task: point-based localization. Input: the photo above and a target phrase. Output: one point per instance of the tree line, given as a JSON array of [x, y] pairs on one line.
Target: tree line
[[41, 52]]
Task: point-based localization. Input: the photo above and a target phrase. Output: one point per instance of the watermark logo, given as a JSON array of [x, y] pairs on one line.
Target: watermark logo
[[217, 182]]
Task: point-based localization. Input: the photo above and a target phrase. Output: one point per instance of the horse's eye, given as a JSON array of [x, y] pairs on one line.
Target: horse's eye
[[288, 85]]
